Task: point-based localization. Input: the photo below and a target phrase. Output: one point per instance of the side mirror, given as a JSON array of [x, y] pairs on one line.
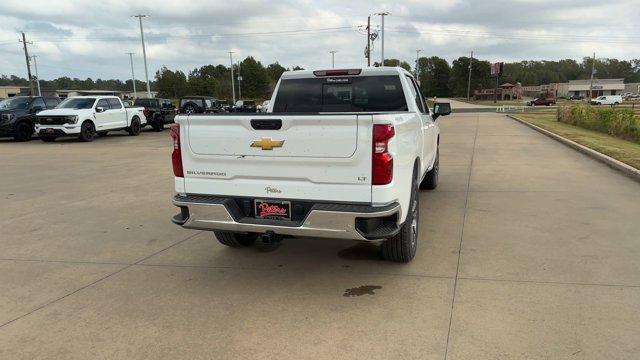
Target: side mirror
[[441, 109], [99, 109], [36, 109]]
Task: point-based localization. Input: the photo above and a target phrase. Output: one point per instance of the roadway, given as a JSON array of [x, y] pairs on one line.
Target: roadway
[[528, 250]]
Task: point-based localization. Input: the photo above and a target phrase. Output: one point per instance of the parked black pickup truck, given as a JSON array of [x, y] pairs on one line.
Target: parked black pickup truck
[[18, 113], [157, 111]]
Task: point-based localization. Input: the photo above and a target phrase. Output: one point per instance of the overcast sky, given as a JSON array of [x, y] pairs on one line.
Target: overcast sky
[[86, 38]]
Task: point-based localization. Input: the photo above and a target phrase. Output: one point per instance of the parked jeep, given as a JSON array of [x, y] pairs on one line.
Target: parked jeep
[[199, 105], [157, 111], [17, 115]]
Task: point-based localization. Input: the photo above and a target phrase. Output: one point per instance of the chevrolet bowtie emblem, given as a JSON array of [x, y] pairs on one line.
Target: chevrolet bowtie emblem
[[267, 143]]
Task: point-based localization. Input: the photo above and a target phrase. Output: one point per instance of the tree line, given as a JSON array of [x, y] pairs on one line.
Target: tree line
[[66, 83], [437, 77]]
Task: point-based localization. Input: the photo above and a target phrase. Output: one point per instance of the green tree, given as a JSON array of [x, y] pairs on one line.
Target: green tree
[[434, 76], [255, 81], [394, 62], [171, 84], [274, 71], [480, 76]]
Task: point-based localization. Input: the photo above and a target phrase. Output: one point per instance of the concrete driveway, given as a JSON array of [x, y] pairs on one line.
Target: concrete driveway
[[528, 250], [461, 105]]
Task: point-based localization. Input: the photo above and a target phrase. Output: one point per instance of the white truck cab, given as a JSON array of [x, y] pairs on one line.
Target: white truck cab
[[338, 154], [88, 116]]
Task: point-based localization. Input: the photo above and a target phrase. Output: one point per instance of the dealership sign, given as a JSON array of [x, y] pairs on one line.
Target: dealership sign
[[496, 69]]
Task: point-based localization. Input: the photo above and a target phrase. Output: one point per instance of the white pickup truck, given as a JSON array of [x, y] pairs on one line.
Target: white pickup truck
[[339, 154], [88, 116]]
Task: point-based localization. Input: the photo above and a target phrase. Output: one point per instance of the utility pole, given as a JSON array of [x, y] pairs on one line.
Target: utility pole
[[233, 85], [144, 53], [369, 41], [593, 71], [417, 63], [333, 58], [469, 83], [35, 65], [133, 77], [382, 15], [26, 56], [239, 81]]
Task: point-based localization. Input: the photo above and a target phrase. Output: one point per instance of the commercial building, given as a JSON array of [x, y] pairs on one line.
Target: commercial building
[[508, 91], [11, 91], [600, 87]]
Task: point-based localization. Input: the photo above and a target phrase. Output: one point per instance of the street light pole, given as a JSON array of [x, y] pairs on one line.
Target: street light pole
[[133, 77], [144, 53], [233, 84], [239, 81], [333, 58], [35, 65], [382, 15], [469, 83], [593, 70], [417, 63], [27, 58]]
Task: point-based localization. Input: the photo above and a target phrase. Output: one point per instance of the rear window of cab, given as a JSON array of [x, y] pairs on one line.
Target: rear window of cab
[[341, 94]]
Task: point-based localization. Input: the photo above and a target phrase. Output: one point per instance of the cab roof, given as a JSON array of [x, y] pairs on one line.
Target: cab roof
[[368, 71]]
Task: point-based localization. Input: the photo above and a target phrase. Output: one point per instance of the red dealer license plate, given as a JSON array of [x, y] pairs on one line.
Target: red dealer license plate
[[269, 209]]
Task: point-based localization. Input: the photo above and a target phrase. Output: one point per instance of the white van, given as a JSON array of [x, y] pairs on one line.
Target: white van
[[607, 100]]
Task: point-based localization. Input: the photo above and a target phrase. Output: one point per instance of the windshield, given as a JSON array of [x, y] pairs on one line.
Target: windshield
[[18, 103], [76, 103], [341, 94], [145, 102], [184, 101]]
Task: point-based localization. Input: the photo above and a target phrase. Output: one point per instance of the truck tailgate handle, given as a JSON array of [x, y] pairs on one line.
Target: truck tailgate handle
[[272, 124]]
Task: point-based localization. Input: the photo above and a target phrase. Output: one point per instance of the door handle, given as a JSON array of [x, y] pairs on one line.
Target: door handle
[[271, 124]]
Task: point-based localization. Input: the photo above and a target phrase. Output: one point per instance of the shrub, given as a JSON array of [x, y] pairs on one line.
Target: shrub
[[617, 122]]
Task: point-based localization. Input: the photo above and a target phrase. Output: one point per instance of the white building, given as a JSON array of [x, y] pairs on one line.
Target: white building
[[600, 87]]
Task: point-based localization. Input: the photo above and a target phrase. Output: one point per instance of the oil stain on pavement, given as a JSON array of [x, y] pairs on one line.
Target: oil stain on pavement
[[361, 290]]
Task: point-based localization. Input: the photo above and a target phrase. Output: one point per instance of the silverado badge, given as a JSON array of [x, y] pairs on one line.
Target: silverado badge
[[267, 143]]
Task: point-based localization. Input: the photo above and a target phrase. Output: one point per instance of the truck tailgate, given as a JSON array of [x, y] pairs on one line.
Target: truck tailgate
[[311, 157]]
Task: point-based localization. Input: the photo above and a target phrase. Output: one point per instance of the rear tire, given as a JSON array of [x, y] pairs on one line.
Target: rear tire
[[134, 129], [235, 240], [430, 181], [87, 132], [402, 247], [158, 124], [24, 131]]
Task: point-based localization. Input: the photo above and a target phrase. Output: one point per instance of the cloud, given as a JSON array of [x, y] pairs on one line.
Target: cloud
[[89, 38]]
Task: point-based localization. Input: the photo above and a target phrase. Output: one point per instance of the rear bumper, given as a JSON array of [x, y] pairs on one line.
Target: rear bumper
[[343, 221]]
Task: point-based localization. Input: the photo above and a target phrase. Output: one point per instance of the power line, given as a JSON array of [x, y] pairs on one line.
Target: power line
[[195, 36], [540, 37]]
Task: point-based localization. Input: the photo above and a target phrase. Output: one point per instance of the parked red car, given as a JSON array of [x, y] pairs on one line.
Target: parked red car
[[541, 102]]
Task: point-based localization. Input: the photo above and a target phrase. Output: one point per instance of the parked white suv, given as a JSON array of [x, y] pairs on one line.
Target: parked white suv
[[607, 100], [88, 116], [339, 154]]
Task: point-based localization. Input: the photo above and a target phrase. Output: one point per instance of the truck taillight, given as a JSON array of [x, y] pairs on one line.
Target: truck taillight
[[176, 155], [382, 169]]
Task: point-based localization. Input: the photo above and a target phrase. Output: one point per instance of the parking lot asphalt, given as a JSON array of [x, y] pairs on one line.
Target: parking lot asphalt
[[528, 250]]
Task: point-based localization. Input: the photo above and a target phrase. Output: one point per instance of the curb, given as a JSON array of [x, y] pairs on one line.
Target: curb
[[627, 170]]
